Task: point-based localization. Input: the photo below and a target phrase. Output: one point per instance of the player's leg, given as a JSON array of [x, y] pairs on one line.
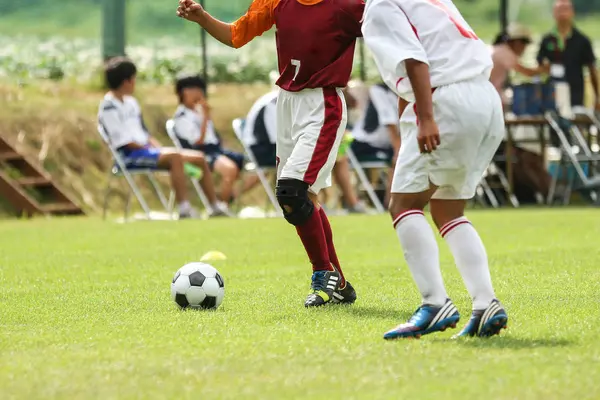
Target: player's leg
[[417, 238], [307, 158], [411, 191], [486, 131], [472, 262]]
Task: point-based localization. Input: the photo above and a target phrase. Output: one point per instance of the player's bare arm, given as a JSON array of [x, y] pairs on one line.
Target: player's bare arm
[[429, 134], [194, 12], [257, 20]]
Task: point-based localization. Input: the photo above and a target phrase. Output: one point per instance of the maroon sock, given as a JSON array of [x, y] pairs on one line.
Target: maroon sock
[[315, 243], [330, 247]]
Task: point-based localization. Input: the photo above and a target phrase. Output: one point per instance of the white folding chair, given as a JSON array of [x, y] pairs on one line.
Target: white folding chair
[[359, 168], [119, 169], [253, 166], [170, 127]]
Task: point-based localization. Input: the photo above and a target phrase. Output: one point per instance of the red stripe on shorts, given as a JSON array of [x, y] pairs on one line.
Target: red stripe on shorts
[[327, 135]]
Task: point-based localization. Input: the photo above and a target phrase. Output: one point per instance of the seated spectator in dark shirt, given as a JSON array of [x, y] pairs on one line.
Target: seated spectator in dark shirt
[[195, 130]]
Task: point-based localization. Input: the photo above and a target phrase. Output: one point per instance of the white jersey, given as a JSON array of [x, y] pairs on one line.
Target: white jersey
[[122, 121], [261, 122], [188, 126], [381, 111], [431, 31]]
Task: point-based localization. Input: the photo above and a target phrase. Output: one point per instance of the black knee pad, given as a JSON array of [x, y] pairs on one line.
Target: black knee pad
[[293, 194]]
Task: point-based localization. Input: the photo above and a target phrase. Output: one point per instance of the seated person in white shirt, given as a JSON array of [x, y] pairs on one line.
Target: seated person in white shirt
[[260, 129], [195, 130], [120, 116], [377, 134]]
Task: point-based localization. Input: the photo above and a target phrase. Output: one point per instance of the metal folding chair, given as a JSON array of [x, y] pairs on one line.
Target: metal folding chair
[[485, 191], [359, 168], [574, 151], [170, 127], [119, 169], [253, 166]]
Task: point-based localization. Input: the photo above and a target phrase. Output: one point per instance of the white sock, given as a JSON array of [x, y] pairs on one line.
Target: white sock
[[422, 255], [471, 259], [185, 206]]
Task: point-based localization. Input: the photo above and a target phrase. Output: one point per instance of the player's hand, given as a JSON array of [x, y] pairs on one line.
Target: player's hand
[[429, 136], [597, 106], [190, 10]]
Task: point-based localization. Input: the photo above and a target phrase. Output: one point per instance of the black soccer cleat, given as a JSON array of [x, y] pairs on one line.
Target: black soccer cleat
[[323, 285], [486, 323], [347, 295]]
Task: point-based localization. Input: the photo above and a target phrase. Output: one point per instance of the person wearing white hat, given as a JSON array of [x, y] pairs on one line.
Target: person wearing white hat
[[508, 49]]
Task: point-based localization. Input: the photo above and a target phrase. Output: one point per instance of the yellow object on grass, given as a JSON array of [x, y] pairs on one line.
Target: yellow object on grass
[[213, 256]]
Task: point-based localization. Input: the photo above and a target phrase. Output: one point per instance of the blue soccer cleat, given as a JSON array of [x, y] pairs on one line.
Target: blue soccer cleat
[[427, 319], [485, 323]]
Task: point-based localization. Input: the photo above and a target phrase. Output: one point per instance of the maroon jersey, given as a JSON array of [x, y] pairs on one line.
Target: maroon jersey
[[315, 39]]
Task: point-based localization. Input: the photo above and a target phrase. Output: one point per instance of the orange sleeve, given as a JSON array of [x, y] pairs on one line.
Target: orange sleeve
[[258, 19]]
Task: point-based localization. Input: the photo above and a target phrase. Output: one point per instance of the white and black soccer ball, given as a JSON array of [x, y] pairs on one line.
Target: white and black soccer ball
[[198, 285]]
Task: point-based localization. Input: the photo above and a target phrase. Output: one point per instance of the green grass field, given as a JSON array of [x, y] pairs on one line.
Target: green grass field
[[85, 313]]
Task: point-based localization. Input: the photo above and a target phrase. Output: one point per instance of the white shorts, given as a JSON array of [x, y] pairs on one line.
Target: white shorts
[[310, 128], [471, 123]]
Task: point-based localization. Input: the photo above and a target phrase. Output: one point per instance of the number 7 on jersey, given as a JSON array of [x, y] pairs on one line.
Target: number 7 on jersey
[[296, 63]]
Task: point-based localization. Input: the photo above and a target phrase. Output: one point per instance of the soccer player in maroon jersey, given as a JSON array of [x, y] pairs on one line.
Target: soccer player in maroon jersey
[[315, 49]]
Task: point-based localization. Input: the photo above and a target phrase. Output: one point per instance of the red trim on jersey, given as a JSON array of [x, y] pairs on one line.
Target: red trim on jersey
[[399, 80], [450, 226], [405, 214], [414, 29], [327, 136]]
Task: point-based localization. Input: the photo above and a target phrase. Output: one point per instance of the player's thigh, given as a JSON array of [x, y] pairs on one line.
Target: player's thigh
[[319, 125], [464, 113]]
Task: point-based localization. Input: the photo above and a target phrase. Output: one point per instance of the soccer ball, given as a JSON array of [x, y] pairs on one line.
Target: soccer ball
[[198, 285]]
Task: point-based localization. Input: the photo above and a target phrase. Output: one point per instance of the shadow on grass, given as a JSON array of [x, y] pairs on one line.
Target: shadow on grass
[[371, 312], [513, 343]]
